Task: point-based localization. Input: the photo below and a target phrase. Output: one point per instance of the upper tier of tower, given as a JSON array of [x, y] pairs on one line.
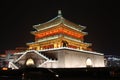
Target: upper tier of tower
[[58, 32], [62, 25]]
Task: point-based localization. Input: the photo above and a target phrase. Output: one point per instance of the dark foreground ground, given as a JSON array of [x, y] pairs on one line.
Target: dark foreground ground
[[61, 74]]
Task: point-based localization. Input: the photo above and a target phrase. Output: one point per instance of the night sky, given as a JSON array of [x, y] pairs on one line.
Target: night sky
[[99, 16]]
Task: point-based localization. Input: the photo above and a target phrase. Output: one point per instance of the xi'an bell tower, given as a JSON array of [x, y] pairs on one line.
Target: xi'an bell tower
[[59, 43], [58, 32]]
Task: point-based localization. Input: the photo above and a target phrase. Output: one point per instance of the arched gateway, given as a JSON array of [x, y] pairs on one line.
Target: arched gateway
[[89, 63]]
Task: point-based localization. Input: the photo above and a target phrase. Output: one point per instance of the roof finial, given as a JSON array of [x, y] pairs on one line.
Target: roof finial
[[59, 13]]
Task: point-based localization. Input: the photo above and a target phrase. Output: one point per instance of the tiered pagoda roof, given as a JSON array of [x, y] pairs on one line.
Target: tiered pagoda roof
[[53, 32], [57, 21]]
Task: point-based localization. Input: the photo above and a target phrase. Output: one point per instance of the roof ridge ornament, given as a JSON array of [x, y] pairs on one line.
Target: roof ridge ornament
[[59, 13]]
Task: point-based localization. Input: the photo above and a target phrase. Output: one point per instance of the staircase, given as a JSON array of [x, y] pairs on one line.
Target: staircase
[[13, 66]]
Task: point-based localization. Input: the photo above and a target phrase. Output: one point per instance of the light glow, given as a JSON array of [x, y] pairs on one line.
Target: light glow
[[89, 62], [4, 68], [30, 62], [59, 31]]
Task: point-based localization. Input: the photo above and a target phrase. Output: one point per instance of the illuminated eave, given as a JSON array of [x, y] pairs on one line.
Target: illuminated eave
[[75, 29], [59, 30], [56, 21], [36, 26], [83, 27], [31, 43], [89, 44], [34, 32], [73, 39], [57, 36], [72, 49], [48, 38]]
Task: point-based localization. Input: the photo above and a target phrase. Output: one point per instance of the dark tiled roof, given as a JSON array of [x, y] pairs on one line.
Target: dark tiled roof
[[56, 21]]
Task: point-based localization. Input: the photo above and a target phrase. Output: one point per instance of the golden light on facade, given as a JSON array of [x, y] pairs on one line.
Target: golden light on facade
[[58, 43], [59, 31]]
